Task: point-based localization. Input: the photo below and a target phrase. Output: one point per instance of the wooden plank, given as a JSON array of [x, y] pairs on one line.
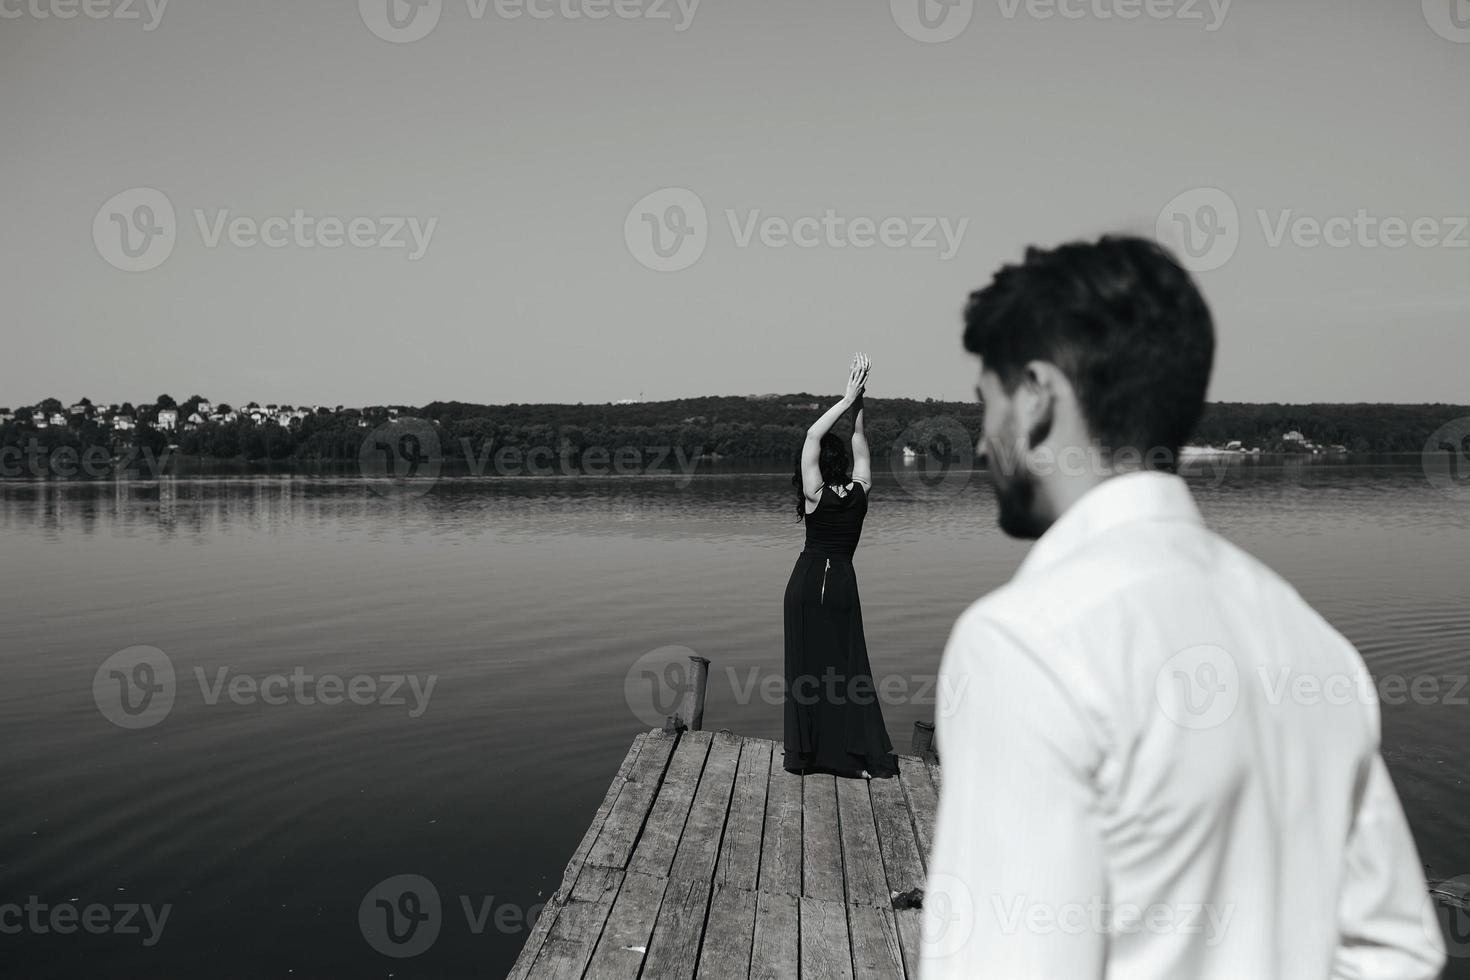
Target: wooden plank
[[862, 862], [923, 801], [909, 922], [935, 777], [781, 846], [901, 861], [821, 840], [740, 851], [729, 934], [825, 950], [665, 825], [619, 832], [599, 819], [578, 925], [537, 938], [674, 947], [624, 943], [875, 949], [699, 846], [774, 952]]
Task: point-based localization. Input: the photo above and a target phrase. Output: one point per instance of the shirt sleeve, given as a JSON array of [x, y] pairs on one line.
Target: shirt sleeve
[[1016, 879], [1383, 930]]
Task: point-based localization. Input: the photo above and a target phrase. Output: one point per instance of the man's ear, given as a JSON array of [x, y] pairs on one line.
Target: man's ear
[[1035, 400]]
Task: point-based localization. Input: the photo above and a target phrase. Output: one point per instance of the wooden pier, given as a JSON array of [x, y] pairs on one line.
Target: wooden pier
[[707, 859]]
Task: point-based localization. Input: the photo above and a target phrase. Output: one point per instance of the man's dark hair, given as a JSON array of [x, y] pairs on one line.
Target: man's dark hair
[[1120, 318]]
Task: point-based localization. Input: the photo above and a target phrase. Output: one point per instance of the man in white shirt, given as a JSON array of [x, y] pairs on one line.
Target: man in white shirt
[[1159, 761]]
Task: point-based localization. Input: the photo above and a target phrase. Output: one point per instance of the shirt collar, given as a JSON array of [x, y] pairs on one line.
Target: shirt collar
[[1127, 499]]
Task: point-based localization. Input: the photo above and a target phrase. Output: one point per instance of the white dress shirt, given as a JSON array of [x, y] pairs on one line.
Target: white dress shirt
[[1160, 762]]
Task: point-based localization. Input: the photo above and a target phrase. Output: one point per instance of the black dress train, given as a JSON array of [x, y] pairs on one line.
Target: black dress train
[[834, 723]]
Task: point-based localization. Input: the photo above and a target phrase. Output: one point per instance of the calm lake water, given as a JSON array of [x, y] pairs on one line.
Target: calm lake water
[[527, 601]]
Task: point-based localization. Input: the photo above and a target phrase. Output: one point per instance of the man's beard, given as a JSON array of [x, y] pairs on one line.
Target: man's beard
[[1016, 494]]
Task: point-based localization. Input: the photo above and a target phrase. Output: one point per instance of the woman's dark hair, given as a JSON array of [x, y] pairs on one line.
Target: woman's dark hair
[[831, 460], [1120, 318]]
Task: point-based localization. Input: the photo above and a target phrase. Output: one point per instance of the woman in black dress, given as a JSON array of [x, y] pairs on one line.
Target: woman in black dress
[[834, 723]]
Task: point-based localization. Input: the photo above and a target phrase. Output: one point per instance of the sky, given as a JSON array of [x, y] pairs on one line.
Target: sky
[[585, 200]]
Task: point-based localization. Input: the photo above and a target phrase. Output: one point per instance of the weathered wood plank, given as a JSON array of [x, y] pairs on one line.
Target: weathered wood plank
[[909, 922], [935, 776], [537, 938], [624, 943], [826, 953], [619, 831], [578, 925], [875, 949], [740, 851], [665, 825], [918, 789], [699, 846], [774, 953], [821, 839], [674, 948], [781, 847], [901, 861], [599, 819], [862, 862], [729, 934]]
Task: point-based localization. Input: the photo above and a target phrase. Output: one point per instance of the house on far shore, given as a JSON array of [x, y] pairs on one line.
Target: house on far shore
[[196, 419], [168, 419], [206, 408], [78, 409], [1293, 436], [123, 423], [58, 419]]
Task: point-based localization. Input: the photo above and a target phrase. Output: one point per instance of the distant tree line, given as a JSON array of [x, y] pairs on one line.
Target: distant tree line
[[736, 427]]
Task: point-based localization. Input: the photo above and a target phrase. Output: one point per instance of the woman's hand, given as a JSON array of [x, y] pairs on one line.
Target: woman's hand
[[857, 376]]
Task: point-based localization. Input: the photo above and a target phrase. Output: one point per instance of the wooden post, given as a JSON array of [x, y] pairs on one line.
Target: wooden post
[[691, 711], [923, 744]]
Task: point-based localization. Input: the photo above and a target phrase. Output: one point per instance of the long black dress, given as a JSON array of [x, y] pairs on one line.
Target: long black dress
[[834, 722]]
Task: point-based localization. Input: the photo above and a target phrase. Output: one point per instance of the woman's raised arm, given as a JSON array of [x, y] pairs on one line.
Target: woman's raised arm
[[862, 460], [811, 473]]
